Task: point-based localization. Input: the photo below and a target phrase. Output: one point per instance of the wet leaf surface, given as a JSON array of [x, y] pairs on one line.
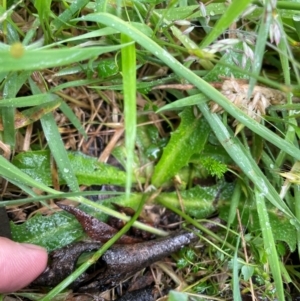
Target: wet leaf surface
[[88, 170], [282, 228], [52, 231], [96, 229], [123, 261], [63, 262], [116, 264], [60, 228]]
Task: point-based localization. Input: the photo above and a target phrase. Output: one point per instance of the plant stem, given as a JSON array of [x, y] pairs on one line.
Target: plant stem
[[199, 226]]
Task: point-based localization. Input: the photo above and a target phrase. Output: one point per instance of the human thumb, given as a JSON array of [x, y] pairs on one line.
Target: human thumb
[[20, 264]]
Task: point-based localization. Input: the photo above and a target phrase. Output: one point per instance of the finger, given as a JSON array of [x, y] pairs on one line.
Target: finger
[[20, 264]]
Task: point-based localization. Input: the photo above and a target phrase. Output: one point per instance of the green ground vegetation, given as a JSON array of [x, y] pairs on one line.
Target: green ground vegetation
[[196, 101]]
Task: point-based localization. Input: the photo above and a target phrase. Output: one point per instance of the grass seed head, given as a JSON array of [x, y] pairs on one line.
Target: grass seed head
[[255, 106]]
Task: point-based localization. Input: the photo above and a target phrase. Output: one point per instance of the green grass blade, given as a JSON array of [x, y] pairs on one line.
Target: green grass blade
[[37, 198], [206, 88], [177, 296], [8, 119], [184, 102], [297, 213], [73, 119], [234, 10], [242, 158], [8, 113], [67, 14], [199, 226], [87, 36], [235, 272], [31, 33], [129, 91], [284, 55], [44, 10], [13, 84], [42, 59], [58, 150], [63, 195], [56, 145], [269, 244], [12, 173], [28, 101], [260, 45], [235, 199]]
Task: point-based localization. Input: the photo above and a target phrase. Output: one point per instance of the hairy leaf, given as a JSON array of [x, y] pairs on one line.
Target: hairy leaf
[[52, 232], [88, 170], [199, 202], [190, 138], [282, 229]]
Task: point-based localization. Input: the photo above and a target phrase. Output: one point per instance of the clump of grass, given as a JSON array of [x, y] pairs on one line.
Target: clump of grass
[[76, 74]]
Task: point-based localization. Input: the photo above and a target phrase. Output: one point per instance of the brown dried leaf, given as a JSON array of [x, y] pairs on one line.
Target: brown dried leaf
[[118, 263], [31, 115], [122, 261], [96, 229], [62, 263], [127, 210]]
